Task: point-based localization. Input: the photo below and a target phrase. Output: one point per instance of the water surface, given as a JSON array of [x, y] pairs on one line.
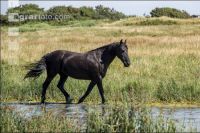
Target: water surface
[[185, 118]]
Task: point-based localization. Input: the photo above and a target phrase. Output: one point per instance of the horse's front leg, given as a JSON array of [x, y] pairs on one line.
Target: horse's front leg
[[101, 91], [89, 89]]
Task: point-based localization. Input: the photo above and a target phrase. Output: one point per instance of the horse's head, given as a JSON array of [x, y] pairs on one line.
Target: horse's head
[[122, 53]]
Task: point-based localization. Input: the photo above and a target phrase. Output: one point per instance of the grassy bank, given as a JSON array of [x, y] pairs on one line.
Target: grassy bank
[[165, 61]]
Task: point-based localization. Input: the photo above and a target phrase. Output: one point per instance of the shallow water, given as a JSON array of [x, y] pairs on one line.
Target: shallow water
[[185, 118]]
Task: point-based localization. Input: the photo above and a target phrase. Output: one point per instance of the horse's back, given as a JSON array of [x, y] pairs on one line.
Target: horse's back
[[76, 65]]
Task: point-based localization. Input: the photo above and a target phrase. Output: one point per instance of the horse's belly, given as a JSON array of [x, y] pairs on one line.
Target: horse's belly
[[79, 76], [77, 72], [78, 67]]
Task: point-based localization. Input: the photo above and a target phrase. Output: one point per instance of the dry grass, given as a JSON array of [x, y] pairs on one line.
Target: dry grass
[[82, 39], [137, 20]]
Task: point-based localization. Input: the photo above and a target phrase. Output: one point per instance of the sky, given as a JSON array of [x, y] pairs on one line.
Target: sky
[[138, 8]]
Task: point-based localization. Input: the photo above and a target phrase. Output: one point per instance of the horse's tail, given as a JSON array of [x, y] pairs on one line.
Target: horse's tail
[[36, 69]]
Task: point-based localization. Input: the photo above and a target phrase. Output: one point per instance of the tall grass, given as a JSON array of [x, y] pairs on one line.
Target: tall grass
[[12, 122], [118, 120], [124, 120]]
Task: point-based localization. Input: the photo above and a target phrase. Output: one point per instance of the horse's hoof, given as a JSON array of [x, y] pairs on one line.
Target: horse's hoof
[[80, 101], [42, 101]]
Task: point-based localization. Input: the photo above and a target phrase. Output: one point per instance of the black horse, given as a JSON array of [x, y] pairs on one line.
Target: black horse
[[91, 65]]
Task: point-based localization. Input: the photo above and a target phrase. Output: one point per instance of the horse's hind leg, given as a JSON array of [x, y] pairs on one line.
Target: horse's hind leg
[[60, 85], [45, 86]]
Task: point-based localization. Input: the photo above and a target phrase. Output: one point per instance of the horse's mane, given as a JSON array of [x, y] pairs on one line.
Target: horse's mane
[[105, 46]]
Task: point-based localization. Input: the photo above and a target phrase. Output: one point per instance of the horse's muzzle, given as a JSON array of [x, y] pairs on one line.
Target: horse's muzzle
[[127, 64]]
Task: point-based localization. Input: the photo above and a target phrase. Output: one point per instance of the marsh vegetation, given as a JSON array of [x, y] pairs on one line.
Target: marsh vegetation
[[165, 61], [165, 68]]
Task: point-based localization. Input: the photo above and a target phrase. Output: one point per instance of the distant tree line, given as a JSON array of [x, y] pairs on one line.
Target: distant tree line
[[28, 11], [82, 13]]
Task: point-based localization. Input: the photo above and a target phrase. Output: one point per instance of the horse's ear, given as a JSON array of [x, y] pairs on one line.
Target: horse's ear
[[121, 41]]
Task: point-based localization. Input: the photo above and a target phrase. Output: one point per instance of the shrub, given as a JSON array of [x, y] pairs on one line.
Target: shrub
[[169, 12], [27, 9], [69, 11], [105, 12], [26, 13], [88, 12], [4, 20]]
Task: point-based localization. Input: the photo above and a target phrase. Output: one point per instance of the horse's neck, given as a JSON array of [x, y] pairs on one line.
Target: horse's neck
[[107, 57]]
